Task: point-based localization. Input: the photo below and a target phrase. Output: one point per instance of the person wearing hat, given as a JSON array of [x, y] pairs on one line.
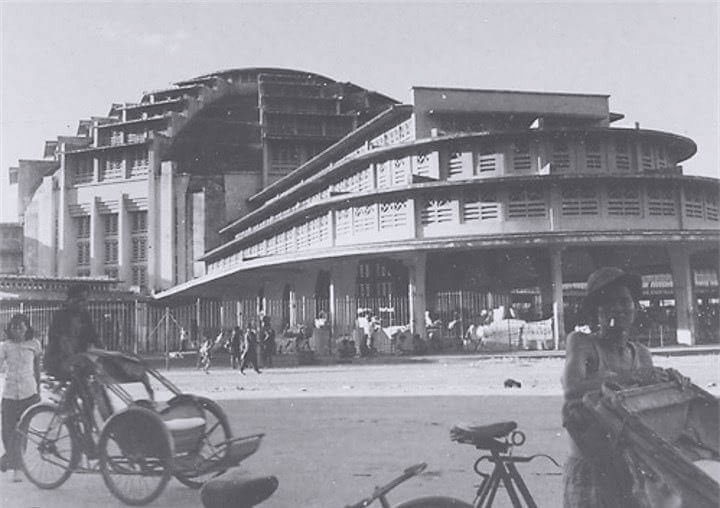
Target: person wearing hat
[[608, 353], [594, 477], [71, 332]]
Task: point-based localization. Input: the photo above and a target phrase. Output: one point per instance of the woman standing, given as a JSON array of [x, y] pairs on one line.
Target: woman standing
[[21, 353]]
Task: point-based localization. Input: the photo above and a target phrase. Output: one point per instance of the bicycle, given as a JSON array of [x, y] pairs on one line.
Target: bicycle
[[499, 439], [136, 448]]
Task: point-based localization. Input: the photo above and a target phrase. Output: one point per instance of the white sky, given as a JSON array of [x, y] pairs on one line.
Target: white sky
[[60, 62]]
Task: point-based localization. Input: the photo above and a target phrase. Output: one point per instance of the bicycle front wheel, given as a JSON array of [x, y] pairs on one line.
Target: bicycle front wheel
[[49, 448]]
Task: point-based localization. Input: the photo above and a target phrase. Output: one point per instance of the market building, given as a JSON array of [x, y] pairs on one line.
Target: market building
[[286, 193], [138, 195], [463, 200]]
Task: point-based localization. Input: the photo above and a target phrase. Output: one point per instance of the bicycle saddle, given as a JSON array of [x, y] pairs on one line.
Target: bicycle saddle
[[481, 433]]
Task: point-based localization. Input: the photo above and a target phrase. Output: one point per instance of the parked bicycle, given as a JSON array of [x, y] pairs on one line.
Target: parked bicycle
[[499, 439]]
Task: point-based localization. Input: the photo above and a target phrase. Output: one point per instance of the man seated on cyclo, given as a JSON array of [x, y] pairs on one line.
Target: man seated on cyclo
[[71, 333]]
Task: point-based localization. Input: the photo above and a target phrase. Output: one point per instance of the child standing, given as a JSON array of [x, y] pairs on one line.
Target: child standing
[[21, 353]]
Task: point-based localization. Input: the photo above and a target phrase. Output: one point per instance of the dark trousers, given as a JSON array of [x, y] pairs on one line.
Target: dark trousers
[[11, 411], [249, 356], [268, 350]]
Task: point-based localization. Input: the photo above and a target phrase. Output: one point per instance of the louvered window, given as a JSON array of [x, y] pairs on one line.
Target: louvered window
[[711, 206], [693, 202], [400, 172], [623, 200], [365, 218], [646, 156], [521, 157], [622, 155], [436, 211], [480, 206], [272, 245], [111, 224], [560, 156], [139, 162], [82, 225], [302, 236], [112, 168], [138, 222], [111, 252], [139, 275], [524, 203], [383, 175], [485, 163], [593, 156], [116, 138], [393, 214], [422, 164], [83, 170], [661, 201], [455, 165], [139, 249], [83, 272], [343, 222], [111, 272], [365, 180], [577, 201], [83, 253]]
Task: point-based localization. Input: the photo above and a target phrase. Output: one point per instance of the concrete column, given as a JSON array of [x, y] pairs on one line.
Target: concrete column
[[153, 223], [683, 291], [124, 241], [165, 248], [417, 270], [181, 222], [343, 275], [198, 233], [557, 297], [97, 235]]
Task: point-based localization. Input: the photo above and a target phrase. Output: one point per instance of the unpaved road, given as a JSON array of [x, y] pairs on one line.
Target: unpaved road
[[333, 433]]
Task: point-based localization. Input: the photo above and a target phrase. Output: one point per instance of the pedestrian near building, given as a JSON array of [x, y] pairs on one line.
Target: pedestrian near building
[[249, 354], [267, 342], [236, 340], [20, 352]]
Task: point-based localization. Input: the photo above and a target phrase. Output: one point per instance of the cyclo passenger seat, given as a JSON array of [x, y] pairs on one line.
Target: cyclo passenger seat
[[484, 437]]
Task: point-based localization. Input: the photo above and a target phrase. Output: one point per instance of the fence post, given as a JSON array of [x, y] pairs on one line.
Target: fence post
[[167, 337]]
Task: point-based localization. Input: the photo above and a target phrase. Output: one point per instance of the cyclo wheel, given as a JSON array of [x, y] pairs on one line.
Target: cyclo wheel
[[136, 455], [49, 447], [217, 432]]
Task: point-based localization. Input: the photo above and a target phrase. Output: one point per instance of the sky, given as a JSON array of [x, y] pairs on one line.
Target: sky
[[64, 61]]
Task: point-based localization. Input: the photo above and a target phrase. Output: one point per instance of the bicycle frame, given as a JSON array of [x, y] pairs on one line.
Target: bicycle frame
[[506, 472]]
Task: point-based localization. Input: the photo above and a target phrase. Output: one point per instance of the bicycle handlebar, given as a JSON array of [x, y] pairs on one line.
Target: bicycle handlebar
[[380, 492]]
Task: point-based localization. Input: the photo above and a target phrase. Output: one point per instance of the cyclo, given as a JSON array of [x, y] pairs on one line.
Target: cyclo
[[95, 425]]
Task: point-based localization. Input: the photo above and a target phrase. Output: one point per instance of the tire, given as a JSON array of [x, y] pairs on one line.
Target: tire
[[49, 447], [218, 432], [136, 455]]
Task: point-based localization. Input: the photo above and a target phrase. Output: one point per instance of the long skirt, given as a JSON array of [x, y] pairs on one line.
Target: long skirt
[[590, 486]]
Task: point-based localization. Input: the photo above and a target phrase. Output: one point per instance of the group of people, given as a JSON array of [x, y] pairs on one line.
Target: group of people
[[71, 332], [593, 477], [243, 346]]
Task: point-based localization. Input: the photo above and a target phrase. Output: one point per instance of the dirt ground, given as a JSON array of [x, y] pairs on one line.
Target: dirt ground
[[333, 433]]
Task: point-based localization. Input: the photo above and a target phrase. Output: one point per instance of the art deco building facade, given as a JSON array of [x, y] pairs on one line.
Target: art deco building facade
[[493, 193], [140, 194]]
